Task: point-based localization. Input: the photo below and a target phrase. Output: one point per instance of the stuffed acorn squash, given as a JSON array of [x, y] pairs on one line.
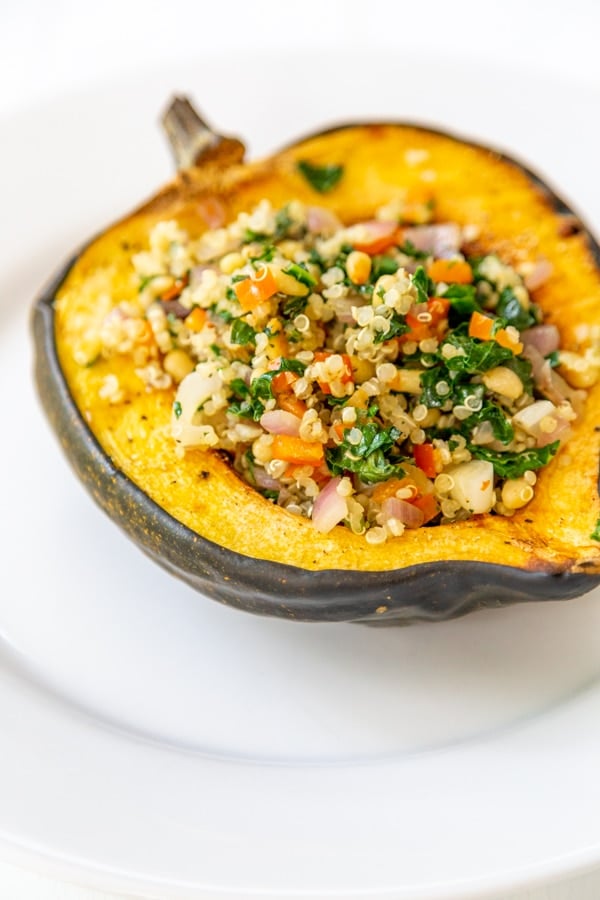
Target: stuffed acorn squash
[[358, 380]]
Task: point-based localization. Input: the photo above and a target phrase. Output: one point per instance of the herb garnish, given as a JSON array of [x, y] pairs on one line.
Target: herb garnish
[[322, 178]]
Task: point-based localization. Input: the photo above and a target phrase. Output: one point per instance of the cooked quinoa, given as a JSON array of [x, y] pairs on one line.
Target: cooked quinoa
[[374, 375]]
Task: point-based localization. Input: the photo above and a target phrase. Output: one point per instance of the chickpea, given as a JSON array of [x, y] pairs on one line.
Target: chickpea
[[516, 493], [358, 267], [178, 364], [502, 380]]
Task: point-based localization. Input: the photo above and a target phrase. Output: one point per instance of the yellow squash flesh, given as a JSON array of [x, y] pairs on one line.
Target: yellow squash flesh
[[471, 185]]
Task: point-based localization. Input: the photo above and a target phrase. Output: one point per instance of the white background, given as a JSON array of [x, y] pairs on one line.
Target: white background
[[52, 48]]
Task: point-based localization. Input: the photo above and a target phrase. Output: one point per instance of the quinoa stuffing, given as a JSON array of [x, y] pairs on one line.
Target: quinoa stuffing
[[373, 375]]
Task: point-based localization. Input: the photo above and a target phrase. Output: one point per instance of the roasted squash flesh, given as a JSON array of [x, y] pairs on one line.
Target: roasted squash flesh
[[516, 218]]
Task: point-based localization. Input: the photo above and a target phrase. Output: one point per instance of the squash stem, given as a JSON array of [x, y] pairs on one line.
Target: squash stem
[[192, 141]]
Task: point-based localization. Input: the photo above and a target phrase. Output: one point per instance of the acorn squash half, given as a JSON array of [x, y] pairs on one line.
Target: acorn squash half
[[206, 526]]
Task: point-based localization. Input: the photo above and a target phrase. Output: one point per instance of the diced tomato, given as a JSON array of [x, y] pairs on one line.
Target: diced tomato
[[428, 506], [424, 455], [379, 236]]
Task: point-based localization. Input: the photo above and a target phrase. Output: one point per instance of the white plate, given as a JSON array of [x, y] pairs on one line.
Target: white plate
[[155, 741]]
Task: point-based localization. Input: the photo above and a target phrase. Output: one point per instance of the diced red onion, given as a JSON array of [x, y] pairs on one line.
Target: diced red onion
[[409, 515], [442, 241], [544, 338], [329, 508], [343, 309], [561, 432], [175, 308], [321, 221], [549, 382], [278, 421], [264, 480], [197, 272], [365, 233], [538, 276]]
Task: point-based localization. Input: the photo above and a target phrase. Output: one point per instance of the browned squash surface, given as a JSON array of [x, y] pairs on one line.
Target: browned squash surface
[[470, 185]]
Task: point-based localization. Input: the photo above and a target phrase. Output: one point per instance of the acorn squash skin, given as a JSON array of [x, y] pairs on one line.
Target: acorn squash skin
[[544, 552]]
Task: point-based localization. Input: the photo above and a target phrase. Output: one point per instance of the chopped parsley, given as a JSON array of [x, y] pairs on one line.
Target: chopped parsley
[[322, 178]]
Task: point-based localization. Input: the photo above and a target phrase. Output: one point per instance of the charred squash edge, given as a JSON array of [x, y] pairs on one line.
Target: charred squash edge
[[434, 591]]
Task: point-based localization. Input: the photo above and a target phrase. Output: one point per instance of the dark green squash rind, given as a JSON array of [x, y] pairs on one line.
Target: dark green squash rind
[[427, 592]]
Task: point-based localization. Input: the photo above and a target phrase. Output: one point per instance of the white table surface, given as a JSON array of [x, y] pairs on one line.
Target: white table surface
[[49, 48]]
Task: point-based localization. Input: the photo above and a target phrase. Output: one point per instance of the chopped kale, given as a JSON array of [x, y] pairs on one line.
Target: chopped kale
[[223, 314], [342, 257], [513, 465], [316, 259], [177, 410], [301, 274], [283, 223], [492, 413], [242, 333], [430, 378], [244, 404], [512, 310], [422, 284], [595, 535], [254, 237], [522, 368], [145, 281], [293, 307], [322, 178], [409, 249], [397, 326], [463, 300], [266, 256], [383, 265], [476, 356], [367, 459], [248, 400]]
